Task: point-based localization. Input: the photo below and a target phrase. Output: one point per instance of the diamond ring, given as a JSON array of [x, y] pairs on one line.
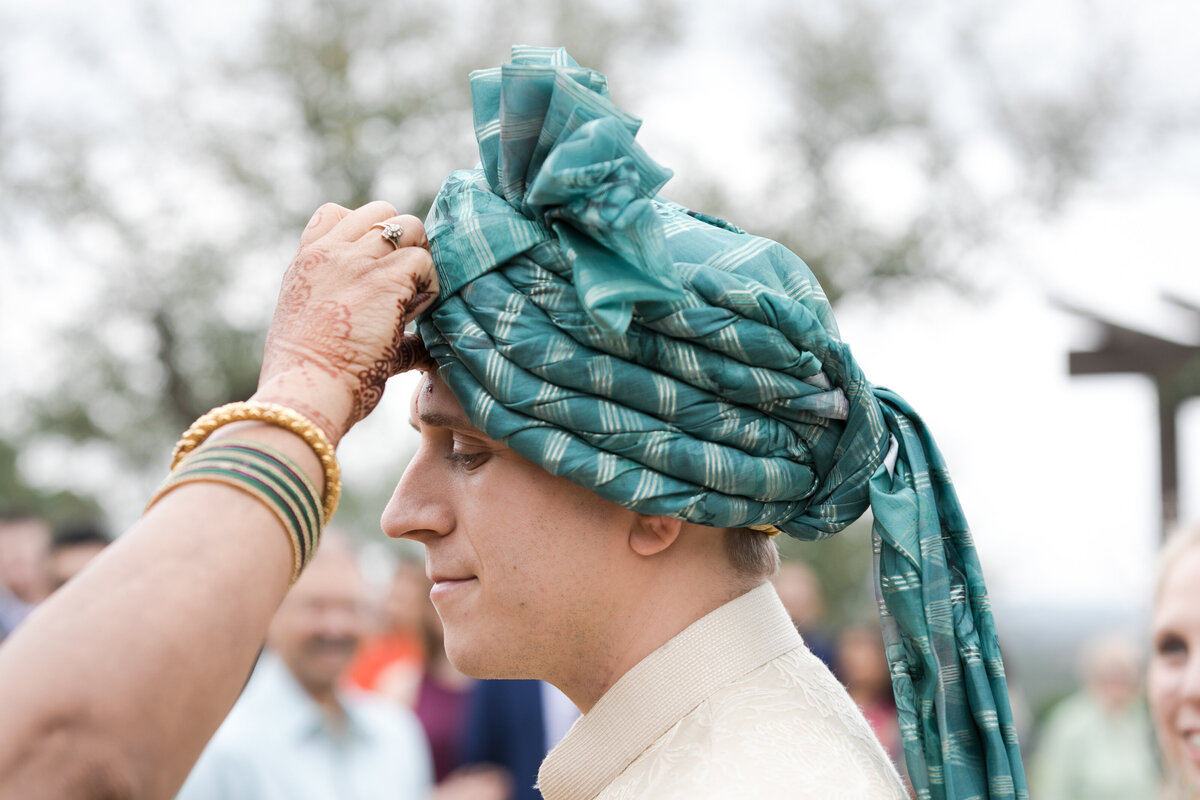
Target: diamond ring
[[391, 232]]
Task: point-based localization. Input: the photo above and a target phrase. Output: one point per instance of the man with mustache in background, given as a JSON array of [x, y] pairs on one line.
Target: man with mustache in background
[[293, 734]]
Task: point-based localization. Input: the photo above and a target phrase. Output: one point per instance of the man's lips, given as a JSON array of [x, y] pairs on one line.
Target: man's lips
[[449, 575], [444, 584]]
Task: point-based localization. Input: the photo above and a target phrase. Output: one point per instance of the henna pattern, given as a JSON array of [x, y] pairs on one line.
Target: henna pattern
[[315, 219], [313, 337], [324, 329], [405, 351]]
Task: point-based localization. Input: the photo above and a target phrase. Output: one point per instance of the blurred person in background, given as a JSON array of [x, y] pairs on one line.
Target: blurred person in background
[[72, 548], [24, 567], [406, 663], [861, 665], [513, 724], [443, 705], [443, 697], [800, 591], [1174, 672], [293, 735], [1098, 743], [391, 660], [641, 603]]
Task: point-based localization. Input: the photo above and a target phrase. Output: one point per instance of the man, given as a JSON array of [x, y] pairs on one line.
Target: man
[[536, 576], [293, 734], [72, 548], [1098, 742], [24, 578], [630, 399]]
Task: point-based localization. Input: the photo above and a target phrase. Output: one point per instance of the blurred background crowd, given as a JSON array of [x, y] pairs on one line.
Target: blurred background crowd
[[354, 697], [988, 192]]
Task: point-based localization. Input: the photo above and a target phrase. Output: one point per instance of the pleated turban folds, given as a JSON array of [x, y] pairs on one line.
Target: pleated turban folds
[[676, 365]]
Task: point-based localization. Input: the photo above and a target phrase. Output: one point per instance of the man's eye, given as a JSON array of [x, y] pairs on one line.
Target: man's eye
[[466, 460]]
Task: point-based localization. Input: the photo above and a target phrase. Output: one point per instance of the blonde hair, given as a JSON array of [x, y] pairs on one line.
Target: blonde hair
[[1177, 544], [752, 553]]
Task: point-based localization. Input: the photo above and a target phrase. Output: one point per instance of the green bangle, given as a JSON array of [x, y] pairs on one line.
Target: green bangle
[[265, 474], [274, 467]]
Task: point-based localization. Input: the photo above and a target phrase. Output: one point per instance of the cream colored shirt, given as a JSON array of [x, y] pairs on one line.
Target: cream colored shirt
[[735, 706]]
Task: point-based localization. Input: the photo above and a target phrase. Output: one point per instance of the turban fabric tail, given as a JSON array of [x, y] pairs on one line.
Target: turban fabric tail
[[677, 365]]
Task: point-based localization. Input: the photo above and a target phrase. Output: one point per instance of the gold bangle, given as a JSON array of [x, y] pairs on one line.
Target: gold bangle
[[272, 414]]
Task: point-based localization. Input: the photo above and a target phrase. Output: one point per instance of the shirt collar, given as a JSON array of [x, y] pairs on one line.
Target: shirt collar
[[664, 687]]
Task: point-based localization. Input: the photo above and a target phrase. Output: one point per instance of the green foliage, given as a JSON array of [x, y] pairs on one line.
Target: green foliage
[[845, 567], [57, 507]]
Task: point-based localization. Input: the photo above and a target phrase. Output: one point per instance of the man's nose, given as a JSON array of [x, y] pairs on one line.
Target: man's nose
[[420, 506]]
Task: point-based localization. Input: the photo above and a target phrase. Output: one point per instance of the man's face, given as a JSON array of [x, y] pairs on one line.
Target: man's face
[[319, 624], [523, 562]]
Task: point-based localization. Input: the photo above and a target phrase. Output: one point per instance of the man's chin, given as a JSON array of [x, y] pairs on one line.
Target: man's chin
[[483, 663]]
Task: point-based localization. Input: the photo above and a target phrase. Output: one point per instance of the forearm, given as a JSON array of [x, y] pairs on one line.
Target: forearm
[[112, 688], [137, 661]]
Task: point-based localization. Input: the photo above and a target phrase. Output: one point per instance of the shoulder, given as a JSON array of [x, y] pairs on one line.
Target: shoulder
[[787, 729]]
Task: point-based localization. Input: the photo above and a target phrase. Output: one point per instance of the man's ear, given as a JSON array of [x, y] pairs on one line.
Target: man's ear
[[650, 535]]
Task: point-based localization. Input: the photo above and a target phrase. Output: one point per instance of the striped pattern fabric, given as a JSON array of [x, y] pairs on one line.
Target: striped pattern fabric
[[677, 365]]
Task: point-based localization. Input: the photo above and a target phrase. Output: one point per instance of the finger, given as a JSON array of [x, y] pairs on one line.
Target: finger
[[360, 220], [411, 354], [412, 267], [322, 221], [411, 234]]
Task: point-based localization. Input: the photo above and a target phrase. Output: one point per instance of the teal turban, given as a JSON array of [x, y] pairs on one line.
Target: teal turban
[[676, 365]]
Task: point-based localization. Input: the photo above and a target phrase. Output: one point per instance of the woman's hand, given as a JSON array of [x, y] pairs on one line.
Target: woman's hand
[[338, 332]]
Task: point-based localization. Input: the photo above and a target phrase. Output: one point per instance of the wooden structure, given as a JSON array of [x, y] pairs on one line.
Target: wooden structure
[[1173, 366]]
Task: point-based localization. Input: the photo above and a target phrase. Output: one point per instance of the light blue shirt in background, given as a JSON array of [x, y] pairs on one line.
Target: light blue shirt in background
[[276, 744]]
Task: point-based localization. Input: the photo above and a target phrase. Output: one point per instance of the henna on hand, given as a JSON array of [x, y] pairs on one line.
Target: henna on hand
[[405, 352], [338, 332]]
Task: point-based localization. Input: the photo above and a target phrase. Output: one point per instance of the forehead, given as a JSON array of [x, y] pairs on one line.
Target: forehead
[[434, 405]]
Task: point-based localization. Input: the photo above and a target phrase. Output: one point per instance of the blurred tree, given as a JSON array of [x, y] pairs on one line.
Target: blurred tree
[[57, 507], [844, 566], [183, 204], [183, 207], [888, 114]]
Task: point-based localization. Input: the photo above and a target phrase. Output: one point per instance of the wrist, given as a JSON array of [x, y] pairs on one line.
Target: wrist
[[326, 403]]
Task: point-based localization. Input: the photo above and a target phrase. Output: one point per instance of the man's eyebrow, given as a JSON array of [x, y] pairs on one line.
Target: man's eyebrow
[[433, 419]]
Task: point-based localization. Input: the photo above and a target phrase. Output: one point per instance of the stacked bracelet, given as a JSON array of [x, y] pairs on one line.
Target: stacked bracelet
[[272, 414], [264, 473]]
